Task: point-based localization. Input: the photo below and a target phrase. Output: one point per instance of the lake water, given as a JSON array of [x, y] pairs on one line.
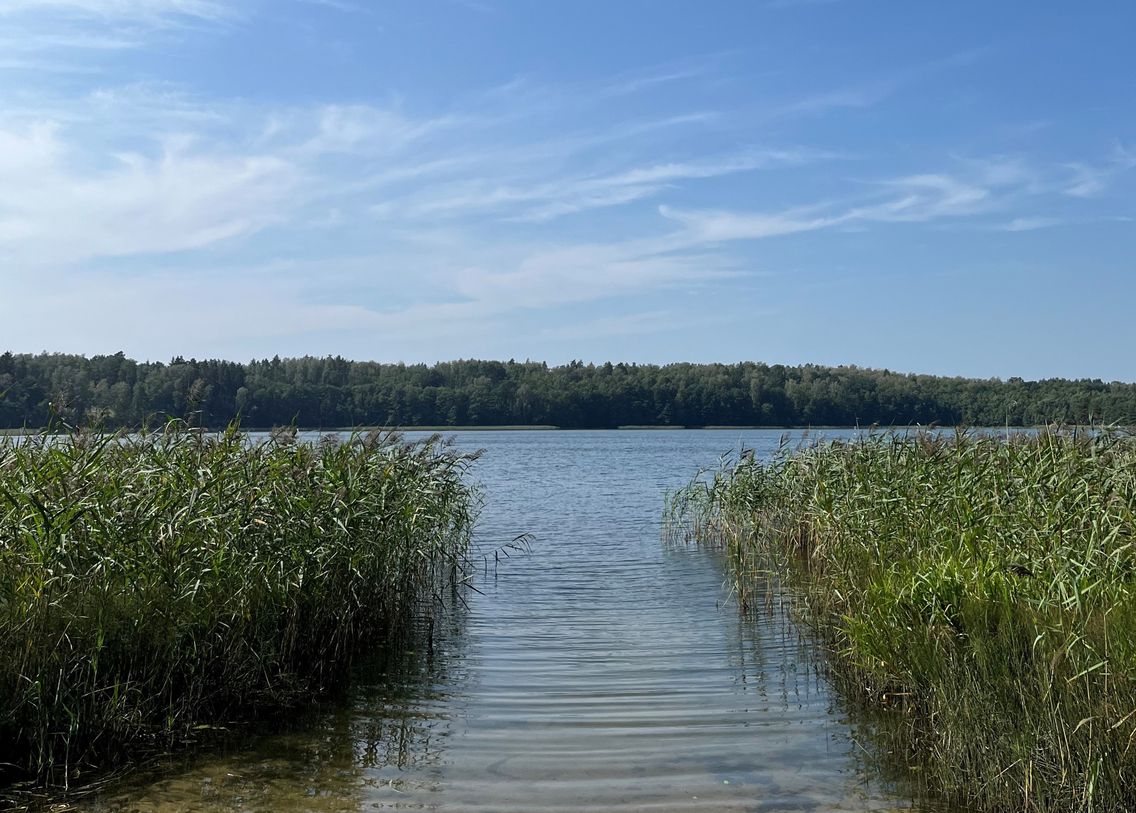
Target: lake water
[[605, 670]]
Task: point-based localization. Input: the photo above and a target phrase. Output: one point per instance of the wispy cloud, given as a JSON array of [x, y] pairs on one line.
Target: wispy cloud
[[181, 198], [1028, 224], [341, 5], [366, 129], [547, 199], [27, 39], [74, 32], [661, 75], [864, 95], [38, 66], [1090, 180], [926, 197], [909, 199], [151, 168], [871, 92], [718, 225], [479, 6], [138, 11]]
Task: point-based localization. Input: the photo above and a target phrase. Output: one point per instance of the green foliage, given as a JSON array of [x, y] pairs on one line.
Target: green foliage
[[333, 392], [153, 583], [982, 589]]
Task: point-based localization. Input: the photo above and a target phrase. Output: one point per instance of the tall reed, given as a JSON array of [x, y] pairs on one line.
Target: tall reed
[[158, 582], [983, 589]]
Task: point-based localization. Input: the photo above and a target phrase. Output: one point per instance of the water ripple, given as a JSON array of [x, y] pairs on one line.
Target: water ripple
[[603, 671]]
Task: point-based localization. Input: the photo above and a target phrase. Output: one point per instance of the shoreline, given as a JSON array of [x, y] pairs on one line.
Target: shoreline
[[551, 428]]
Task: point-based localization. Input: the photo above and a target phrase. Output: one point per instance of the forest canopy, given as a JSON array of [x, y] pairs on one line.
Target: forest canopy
[[332, 392]]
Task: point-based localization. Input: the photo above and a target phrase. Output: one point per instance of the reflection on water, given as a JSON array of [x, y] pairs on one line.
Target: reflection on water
[[604, 671]]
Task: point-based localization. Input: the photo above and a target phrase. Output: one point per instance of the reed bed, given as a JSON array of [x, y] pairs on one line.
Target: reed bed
[[982, 589], [155, 584]]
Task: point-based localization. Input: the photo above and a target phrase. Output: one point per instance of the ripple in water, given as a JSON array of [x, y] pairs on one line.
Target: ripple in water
[[603, 671]]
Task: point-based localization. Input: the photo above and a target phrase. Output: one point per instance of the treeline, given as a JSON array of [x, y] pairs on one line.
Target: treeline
[[333, 392]]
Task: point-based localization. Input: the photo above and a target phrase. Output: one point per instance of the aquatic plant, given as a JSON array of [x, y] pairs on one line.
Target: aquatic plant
[[982, 588], [152, 584]]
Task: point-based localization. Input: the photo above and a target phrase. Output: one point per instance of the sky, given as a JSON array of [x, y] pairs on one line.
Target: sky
[[924, 187]]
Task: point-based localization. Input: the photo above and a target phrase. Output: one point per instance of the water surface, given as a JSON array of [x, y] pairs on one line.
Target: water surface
[[604, 670]]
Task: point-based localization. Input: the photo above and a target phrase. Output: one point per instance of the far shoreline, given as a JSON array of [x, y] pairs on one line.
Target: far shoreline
[[348, 430]]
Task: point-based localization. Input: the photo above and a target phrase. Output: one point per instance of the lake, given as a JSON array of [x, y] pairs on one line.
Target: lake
[[603, 670]]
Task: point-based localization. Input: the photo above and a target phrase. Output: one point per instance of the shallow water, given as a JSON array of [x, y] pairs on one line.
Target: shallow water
[[605, 670]]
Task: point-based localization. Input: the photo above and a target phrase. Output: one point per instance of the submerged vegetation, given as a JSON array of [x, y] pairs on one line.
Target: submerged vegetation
[[154, 584], [982, 589]]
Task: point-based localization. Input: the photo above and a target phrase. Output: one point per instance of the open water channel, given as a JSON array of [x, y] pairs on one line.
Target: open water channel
[[605, 670]]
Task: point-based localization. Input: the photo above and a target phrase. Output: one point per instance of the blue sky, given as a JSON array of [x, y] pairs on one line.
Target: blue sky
[[933, 187]]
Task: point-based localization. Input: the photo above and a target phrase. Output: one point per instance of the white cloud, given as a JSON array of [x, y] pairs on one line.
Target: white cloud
[[632, 83], [717, 226], [585, 273], [148, 169], [366, 129], [546, 199], [871, 92], [1090, 180], [340, 5], [1028, 224], [583, 200], [1087, 181], [131, 11], [74, 35], [182, 198], [926, 197], [865, 95], [911, 199]]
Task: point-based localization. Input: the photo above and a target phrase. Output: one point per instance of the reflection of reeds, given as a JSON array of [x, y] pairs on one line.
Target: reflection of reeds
[[153, 583], [981, 588]]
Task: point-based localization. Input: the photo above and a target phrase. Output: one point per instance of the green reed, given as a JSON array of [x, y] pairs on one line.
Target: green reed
[[156, 583], [982, 589]]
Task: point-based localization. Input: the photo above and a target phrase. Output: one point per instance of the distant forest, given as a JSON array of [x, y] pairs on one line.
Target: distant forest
[[115, 391]]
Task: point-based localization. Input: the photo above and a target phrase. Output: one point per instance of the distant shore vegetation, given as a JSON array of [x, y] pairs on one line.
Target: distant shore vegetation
[[115, 391]]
